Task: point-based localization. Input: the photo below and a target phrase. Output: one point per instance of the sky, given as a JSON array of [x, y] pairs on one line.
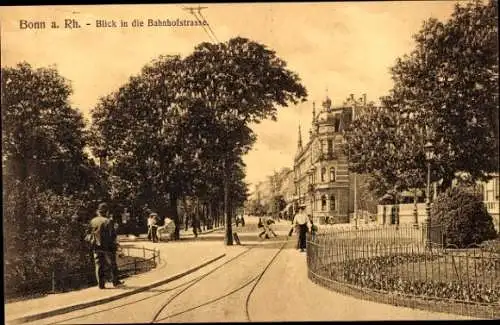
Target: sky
[[336, 48]]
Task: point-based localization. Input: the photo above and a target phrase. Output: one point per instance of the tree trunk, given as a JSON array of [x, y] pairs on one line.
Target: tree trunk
[[415, 207], [175, 215], [227, 214]]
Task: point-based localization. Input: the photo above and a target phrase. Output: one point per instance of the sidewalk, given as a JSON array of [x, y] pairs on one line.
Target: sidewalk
[[174, 265], [183, 235]]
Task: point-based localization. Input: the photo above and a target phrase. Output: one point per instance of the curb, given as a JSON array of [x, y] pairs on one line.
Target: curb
[[203, 233], [186, 236], [64, 310]]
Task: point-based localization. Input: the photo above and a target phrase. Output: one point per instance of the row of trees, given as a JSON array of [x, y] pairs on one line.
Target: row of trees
[[446, 92], [187, 124], [175, 132]]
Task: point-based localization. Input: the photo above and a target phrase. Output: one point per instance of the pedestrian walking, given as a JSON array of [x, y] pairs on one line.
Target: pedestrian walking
[[104, 244], [237, 219], [267, 228], [301, 221], [196, 226], [186, 222], [264, 228]]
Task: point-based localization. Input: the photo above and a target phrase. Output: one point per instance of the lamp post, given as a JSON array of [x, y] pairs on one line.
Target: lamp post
[[428, 148], [415, 208]]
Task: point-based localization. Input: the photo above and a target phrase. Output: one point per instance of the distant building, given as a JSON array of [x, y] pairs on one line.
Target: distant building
[[288, 192], [490, 192], [405, 212], [321, 176]]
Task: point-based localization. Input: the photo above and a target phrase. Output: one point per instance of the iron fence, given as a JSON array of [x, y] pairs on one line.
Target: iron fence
[[397, 265], [143, 260]]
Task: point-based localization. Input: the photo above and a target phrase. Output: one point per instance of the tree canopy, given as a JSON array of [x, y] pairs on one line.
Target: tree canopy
[[446, 92], [187, 120]]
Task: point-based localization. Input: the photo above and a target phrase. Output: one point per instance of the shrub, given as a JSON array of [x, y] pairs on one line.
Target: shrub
[[48, 240], [463, 216]]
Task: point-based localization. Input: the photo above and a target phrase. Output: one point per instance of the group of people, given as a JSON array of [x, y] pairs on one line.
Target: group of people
[[301, 225], [155, 231], [267, 229], [103, 238]]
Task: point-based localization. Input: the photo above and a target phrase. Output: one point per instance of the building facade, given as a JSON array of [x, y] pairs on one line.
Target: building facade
[[321, 174], [415, 212]]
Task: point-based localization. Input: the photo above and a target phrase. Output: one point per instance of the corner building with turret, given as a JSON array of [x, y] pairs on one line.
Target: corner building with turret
[[321, 176]]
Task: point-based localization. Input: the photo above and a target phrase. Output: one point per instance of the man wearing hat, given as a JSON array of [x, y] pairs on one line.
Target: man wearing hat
[[105, 246], [153, 227], [301, 221]]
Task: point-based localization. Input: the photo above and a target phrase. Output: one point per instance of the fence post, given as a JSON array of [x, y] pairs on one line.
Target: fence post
[[154, 256], [159, 256], [135, 265], [143, 252]]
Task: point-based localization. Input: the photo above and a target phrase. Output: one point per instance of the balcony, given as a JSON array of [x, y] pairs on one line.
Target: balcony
[[491, 206]]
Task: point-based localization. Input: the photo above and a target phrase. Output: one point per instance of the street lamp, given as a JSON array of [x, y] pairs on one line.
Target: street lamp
[[429, 154]]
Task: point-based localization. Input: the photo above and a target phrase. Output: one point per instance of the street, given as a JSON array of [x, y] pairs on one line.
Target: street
[[262, 280]]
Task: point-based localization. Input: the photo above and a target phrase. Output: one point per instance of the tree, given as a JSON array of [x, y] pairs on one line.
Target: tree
[[240, 81], [381, 143], [43, 137], [445, 91], [47, 176], [151, 159], [451, 82]]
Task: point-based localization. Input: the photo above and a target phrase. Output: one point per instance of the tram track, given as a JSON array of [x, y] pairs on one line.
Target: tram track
[[255, 280], [189, 283]]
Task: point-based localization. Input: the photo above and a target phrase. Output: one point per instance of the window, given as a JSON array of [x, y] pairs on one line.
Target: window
[[330, 146], [323, 203], [332, 174], [321, 146], [323, 174], [332, 203]]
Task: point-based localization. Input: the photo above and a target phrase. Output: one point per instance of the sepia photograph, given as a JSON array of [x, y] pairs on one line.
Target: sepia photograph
[[250, 162]]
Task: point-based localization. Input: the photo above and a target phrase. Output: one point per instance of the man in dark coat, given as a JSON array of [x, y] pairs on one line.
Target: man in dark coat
[[105, 246]]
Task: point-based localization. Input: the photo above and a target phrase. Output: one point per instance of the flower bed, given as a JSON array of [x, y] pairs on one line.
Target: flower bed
[[384, 273]]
